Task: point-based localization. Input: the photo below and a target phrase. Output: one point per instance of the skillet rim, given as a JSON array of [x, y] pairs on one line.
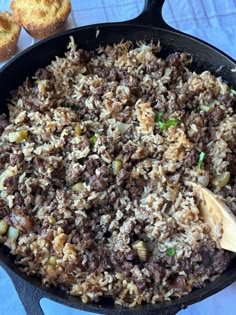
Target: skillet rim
[[120, 24], [162, 307]]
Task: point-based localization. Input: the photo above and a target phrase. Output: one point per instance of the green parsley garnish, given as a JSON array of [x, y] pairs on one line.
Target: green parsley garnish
[[158, 117], [200, 160], [170, 252], [93, 139], [232, 92], [167, 124]]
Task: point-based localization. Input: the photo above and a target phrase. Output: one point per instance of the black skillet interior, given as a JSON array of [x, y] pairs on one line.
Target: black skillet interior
[[148, 26]]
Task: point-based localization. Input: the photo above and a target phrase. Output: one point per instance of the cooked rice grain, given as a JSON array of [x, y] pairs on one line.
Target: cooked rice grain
[[93, 176]]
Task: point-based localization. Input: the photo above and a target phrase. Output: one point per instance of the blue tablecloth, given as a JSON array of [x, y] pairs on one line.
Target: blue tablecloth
[[212, 21]]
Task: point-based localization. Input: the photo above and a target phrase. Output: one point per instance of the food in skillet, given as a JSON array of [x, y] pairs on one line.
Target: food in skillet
[[94, 157]]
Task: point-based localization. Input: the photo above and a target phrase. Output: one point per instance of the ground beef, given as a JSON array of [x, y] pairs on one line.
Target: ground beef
[[221, 260], [173, 59], [130, 81], [132, 233], [128, 149], [161, 105], [113, 76], [31, 187], [43, 74], [117, 259], [91, 165], [4, 210], [5, 151], [121, 73], [38, 162], [3, 123], [234, 190], [84, 113], [29, 200], [213, 261], [231, 159], [58, 174], [82, 57], [136, 187], [18, 200], [21, 221], [101, 181], [122, 177], [227, 100], [16, 159], [217, 115], [191, 159], [186, 265], [179, 283], [154, 68], [11, 183], [157, 272], [101, 72], [73, 173]]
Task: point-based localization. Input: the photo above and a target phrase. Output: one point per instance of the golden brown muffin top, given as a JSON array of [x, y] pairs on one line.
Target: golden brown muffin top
[[40, 12], [9, 29]]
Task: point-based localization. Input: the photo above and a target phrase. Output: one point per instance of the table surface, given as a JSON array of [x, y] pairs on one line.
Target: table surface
[[212, 21]]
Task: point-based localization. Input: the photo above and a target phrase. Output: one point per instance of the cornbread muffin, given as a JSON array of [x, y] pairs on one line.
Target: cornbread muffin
[[9, 34], [41, 18]]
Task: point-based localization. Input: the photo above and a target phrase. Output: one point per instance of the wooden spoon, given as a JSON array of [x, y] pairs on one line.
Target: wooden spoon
[[217, 215]]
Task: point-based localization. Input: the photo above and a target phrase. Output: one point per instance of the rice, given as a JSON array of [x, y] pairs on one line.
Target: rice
[[94, 156]]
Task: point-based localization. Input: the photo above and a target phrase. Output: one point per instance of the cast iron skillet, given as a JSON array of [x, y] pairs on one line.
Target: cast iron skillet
[[148, 26]]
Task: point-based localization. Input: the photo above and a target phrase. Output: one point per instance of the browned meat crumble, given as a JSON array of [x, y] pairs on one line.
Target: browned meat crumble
[[93, 160]]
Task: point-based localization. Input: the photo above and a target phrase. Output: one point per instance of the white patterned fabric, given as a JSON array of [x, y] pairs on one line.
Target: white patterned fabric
[[211, 20]]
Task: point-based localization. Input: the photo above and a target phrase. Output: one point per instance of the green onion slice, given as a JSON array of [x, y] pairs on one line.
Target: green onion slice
[[170, 252], [167, 124], [158, 117], [232, 92], [93, 139], [200, 160]]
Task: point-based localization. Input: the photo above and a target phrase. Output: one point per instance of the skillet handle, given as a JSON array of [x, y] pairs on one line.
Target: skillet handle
[[152, 15], [29, 295]]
